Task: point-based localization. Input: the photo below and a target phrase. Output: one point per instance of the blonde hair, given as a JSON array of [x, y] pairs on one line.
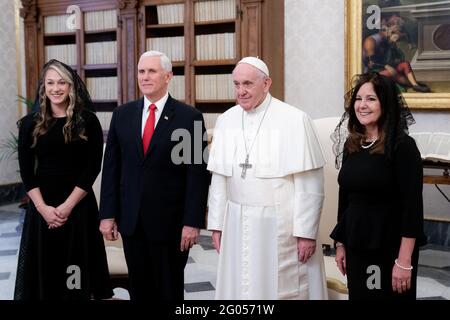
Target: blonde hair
[[45, 116]]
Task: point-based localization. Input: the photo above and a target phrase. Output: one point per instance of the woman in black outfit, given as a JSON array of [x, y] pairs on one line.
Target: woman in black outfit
[[380, 211], [62, 254]]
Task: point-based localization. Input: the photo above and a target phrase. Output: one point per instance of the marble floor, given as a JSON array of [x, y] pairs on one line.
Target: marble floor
[[200, 272]]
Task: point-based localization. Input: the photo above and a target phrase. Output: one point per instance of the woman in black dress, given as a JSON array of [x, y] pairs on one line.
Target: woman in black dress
[[380, 211], [62, 254]]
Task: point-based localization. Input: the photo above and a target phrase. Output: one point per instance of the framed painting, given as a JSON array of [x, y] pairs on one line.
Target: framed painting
[[406, 40]]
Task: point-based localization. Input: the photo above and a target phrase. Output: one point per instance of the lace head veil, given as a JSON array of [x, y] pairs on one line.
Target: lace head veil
[[339, 136], [394, 120], [75, 122], [83, 98]]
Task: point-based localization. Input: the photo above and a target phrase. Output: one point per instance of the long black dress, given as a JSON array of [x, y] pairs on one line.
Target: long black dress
[[379, 203], [69, 262]]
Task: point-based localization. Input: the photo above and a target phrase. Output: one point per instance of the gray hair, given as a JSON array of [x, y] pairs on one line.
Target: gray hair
[[165, 61]]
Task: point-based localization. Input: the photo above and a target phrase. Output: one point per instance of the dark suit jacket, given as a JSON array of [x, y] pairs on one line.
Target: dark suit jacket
[[166, 195]]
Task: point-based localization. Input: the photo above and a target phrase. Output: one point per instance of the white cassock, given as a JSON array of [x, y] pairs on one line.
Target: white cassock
[[280, 199]]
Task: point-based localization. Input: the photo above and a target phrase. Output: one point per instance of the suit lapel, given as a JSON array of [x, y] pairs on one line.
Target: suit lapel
[[163, 124], [137, 119]]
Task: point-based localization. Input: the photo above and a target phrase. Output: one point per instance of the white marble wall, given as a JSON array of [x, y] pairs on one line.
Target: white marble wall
[[314, 74], [314, 62], [9, 108]]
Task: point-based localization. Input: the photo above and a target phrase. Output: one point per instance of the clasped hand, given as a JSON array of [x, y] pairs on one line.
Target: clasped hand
[[55, 217]]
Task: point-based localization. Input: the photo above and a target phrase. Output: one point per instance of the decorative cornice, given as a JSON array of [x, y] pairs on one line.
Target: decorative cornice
[[29, 10], [127, 4]]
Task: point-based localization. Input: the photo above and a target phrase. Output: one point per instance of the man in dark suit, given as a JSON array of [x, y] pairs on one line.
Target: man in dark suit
[[156, 203]]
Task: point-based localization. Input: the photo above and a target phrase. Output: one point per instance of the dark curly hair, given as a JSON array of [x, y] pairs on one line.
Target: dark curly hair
[[393, 123]]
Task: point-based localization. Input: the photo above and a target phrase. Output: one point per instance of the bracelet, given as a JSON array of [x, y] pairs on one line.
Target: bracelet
[[402, 267], [339, 244], [38, 205]]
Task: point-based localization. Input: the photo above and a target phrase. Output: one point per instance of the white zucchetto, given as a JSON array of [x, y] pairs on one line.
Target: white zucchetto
[[257, 63]]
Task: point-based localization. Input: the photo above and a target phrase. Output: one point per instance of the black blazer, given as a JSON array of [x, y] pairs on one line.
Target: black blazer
[[166, 195]]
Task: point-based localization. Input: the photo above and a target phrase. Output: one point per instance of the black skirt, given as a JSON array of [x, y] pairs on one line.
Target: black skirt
[[363, 268], [66, 263]]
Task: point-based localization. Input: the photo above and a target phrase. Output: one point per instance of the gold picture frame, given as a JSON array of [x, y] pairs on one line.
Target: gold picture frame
[[353, 60]]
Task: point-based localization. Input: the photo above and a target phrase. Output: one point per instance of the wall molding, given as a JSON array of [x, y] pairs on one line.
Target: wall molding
[[10, 193]]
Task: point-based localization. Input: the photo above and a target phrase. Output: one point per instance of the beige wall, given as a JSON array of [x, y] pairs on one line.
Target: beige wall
[[9, 107], [314, 75]]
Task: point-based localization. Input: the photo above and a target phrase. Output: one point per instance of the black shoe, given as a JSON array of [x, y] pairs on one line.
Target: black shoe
[[421, 88]]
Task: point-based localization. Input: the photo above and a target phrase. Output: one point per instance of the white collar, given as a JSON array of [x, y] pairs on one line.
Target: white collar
[[159, 104]]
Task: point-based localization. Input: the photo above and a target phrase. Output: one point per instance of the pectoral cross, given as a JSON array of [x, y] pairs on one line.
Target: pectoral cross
[[244, 167]]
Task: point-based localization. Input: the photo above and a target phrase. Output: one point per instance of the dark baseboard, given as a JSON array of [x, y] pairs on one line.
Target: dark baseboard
[[437, 232], [10, 193]]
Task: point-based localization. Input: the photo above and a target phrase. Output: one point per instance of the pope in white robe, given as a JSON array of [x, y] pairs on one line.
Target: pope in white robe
[[266, 195]]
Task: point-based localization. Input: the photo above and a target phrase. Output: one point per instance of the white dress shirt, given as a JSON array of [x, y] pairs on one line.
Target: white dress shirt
[[159, 109]]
